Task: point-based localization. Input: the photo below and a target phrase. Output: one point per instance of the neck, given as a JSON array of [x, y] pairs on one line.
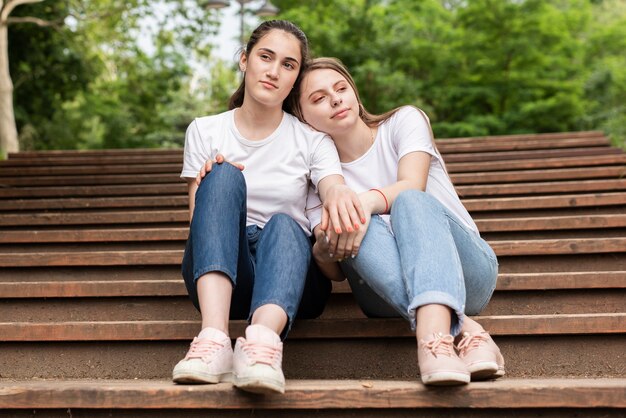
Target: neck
[[353, 143], [256, 121]]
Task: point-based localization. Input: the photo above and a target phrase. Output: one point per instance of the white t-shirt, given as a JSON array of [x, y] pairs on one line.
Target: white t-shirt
[[278, 169], [406, 131]]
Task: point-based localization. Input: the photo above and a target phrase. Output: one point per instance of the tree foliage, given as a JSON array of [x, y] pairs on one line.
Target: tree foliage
[[478, 67]]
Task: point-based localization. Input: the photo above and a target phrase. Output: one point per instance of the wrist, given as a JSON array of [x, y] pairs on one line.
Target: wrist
[[369, 200]]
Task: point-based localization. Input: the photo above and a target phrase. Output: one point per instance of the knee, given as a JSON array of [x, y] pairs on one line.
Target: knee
[[281, 221], [412, 199], [224, 176]]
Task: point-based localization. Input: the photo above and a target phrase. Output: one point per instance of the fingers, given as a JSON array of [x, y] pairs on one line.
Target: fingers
[[333, 240], [219, 158], [342, 244], [325, 219], [206, 168]]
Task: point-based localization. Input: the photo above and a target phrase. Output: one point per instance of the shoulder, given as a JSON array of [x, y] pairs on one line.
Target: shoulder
[[406, 113], [304, 131], [209, 123]]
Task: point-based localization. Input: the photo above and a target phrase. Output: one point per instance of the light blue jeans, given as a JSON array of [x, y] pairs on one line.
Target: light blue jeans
[[427, 257]]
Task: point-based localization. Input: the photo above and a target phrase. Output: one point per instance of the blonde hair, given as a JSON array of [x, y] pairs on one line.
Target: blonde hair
[[370, 119], [327, 63]]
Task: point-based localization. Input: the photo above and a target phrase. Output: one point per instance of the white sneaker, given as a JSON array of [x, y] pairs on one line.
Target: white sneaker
[[209, 359], [258, 361]]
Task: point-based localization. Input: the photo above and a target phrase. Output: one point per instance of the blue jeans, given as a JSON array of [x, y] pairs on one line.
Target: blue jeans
[[266, 266], [427, 257]]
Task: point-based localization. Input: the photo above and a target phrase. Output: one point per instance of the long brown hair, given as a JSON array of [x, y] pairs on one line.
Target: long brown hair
[[236, 100]]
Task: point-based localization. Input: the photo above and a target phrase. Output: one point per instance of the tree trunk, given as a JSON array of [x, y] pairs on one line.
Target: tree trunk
[[8, 131]]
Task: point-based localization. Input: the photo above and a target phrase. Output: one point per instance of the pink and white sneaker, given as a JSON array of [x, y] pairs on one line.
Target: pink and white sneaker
[[438, 362], [209, 359], [481, 355], [258, 361]]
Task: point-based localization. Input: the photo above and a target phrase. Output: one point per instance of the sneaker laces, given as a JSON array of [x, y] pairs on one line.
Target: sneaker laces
[[441, 345], [471, 342], [262, 353], [203, 348]]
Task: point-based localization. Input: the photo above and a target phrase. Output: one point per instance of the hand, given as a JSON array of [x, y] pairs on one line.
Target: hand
[[208, 166], [342, 207], [321, 251], [347, 244]]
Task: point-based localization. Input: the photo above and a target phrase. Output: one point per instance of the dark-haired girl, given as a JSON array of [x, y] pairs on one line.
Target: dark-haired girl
[[248, 252]]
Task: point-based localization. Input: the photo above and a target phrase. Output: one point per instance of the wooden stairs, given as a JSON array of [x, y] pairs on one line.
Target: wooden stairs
[[94, 313]]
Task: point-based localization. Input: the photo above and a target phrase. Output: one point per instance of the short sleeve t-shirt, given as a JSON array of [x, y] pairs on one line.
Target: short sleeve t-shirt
[[406, 131], [278, 169]]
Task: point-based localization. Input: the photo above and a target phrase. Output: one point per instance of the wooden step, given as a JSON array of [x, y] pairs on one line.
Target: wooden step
[[174, 286], [176, 167], [504, 394], [465, 191], [457, 179], [38, 257], [570, 324], [181, 202], [170, 233], [454, 157], [526, 144]]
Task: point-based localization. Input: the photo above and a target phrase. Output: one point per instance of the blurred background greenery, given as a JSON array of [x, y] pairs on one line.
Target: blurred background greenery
[[477, 67]]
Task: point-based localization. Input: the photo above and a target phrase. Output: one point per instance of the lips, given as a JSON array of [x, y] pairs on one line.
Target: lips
[[340, 113], [269, 84]]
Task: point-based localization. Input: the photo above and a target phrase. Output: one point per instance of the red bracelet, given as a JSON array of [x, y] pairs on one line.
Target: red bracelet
[[384, 197]]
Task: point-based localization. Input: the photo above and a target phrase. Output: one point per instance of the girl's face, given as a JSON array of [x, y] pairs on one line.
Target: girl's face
[[328, 102], [272, 67]]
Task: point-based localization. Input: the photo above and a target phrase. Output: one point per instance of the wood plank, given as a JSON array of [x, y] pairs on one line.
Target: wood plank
[[521, 325], [529, 144], [504, 394], [452, 157], [168, 257], [180, 233], [522, 137], [552, 223], [96, 235], [541, 188], [473, 205], [529, 164], [538, 175], [51, 170], [97, 218], [92, 288], [92, 258], [94, 203], [89, 180], [95, 191], [545, 202], [128, 288], [175, 167], [95, 159], [559, 246], [544, 281], [562, 280]]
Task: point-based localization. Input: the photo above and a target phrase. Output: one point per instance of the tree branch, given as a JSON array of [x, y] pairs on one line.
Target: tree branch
[[36, 21], [12, 4]]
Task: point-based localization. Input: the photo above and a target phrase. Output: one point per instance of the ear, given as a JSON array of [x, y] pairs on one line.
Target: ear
[[243, 61]]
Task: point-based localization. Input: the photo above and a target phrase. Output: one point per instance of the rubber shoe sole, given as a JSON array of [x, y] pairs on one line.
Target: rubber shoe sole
[[259, 385], [446, 379]]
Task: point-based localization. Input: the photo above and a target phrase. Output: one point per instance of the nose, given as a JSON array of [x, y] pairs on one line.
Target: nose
[[335, 100], [272, 72]]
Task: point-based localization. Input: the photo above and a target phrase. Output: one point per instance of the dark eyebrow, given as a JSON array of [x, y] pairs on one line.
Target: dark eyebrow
[[274, 53], [312, 93]]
